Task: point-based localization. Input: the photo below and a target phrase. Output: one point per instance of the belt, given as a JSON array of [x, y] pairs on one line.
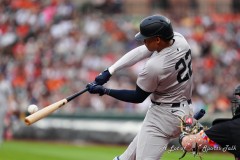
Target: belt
[[173, 104]]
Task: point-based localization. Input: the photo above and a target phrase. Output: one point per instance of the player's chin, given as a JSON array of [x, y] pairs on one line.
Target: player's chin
[[150, 49]]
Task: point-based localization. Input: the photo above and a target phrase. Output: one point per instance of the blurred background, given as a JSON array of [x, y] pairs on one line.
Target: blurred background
[[50, 49]]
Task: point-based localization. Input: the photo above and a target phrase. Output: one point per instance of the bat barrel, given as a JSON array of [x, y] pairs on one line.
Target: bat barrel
[[44, 112], [51, 108]]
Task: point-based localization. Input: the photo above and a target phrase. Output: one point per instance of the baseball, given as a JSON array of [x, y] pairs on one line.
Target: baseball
[[32, 108]]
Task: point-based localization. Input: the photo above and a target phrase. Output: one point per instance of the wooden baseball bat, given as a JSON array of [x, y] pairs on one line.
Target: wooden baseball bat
[[51, 108]]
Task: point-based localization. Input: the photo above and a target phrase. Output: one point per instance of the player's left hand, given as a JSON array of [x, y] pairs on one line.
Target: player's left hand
[[96, 89], [103, 77]]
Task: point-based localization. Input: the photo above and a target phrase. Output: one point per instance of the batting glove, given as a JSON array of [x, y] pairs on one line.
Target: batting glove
[[97, 89], [103, 77]]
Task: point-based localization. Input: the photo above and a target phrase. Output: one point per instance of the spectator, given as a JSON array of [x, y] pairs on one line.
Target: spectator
[[7, 102]]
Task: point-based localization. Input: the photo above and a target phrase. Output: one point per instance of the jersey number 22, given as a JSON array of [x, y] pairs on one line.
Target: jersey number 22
[[186, 67]]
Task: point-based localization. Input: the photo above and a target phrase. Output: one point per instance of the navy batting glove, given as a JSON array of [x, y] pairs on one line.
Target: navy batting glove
[[103, 77], [97, 89]]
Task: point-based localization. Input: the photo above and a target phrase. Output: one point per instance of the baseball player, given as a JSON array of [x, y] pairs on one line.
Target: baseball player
[[166, 78], [224, 134]]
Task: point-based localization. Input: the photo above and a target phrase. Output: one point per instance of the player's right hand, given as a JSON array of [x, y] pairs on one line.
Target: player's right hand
[[103, 77], [96, 89]]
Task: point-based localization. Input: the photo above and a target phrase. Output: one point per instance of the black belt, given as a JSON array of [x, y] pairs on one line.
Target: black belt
[[173, 104]]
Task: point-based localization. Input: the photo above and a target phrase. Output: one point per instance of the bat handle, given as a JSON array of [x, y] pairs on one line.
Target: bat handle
[[76, 95]]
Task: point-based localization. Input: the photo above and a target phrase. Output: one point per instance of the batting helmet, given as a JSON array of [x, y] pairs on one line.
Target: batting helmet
[[153, 26], [236, 101]]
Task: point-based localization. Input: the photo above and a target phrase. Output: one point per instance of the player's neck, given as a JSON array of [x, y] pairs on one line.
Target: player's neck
[[165, 44]]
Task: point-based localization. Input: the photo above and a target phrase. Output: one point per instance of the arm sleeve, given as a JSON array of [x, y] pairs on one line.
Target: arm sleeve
[[130, 58], [133, 96]]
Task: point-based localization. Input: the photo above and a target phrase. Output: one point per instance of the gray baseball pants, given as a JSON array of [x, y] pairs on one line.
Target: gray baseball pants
[[160, 125]]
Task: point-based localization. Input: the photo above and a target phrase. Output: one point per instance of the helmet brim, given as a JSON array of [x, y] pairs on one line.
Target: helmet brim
[[140, 37]]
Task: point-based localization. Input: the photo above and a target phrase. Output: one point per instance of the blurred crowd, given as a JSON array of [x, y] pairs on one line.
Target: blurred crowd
[[52, 49]]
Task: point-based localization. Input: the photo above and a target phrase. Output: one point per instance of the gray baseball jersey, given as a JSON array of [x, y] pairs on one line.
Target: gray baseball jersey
[[168, 75]]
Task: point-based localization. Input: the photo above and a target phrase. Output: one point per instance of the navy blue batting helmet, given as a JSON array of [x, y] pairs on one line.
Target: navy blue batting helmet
[[153, 26]]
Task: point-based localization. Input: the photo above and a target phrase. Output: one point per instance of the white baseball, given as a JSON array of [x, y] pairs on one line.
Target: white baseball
[[32, 108]]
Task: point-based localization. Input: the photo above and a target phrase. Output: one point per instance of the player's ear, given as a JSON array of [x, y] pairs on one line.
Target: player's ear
[[158, 39]]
